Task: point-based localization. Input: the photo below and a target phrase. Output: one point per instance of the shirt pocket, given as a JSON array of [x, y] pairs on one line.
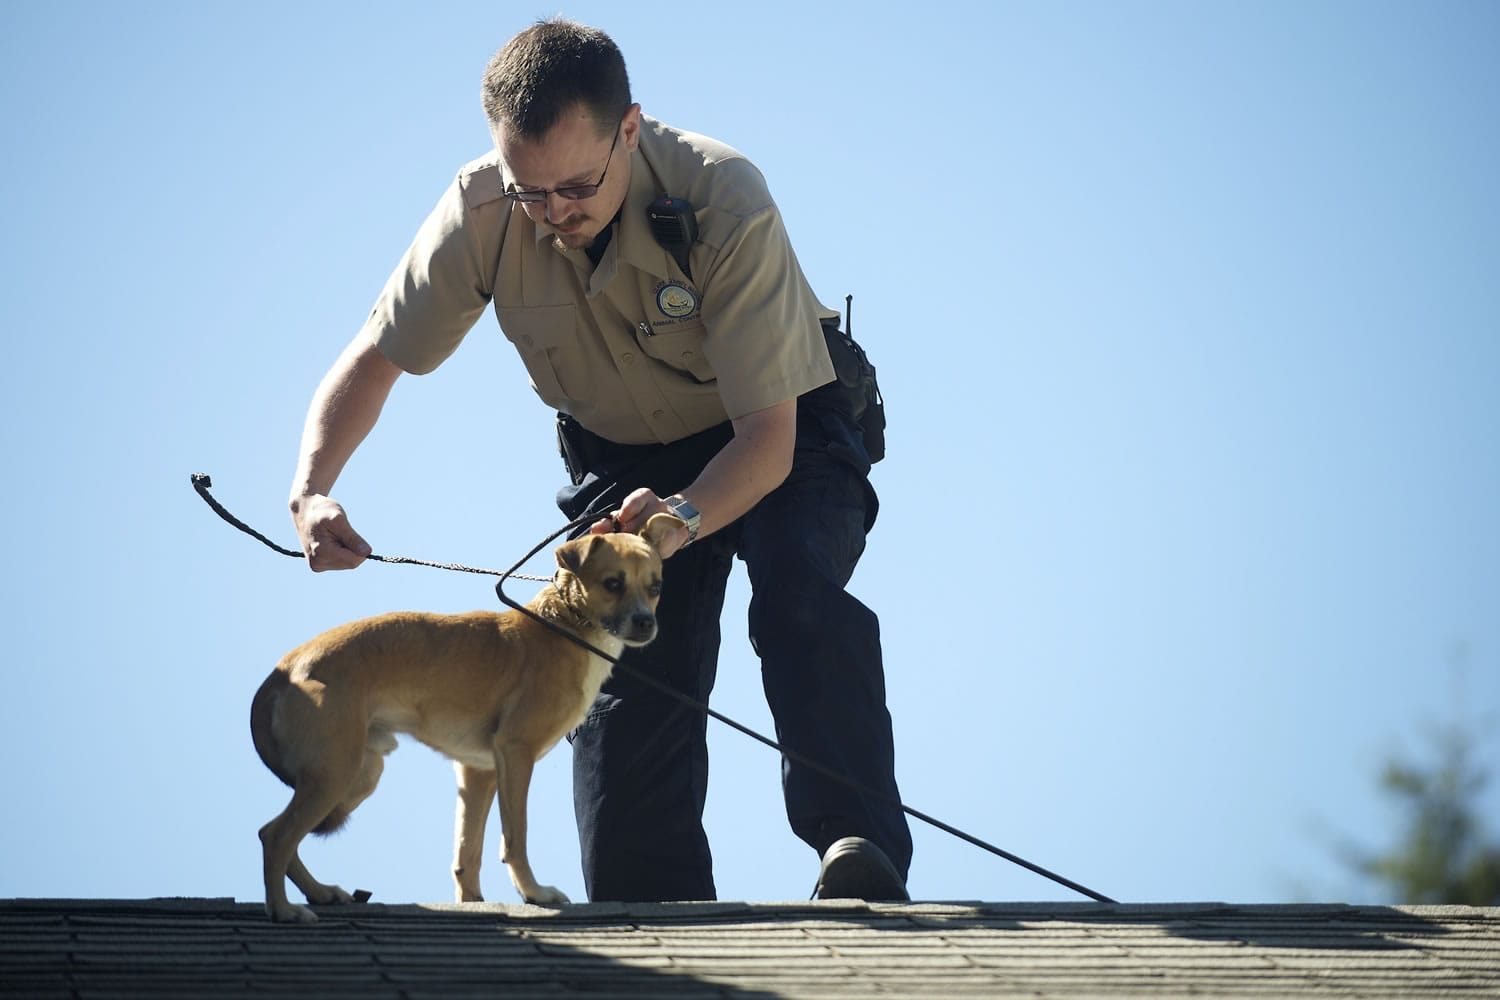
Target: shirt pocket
[[546, 337], [681, 347]]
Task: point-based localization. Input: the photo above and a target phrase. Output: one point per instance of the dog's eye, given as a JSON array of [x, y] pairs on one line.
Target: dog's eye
[[614, 584], [655, 589]]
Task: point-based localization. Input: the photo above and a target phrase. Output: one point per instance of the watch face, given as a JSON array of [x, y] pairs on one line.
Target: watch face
[[689, 515]]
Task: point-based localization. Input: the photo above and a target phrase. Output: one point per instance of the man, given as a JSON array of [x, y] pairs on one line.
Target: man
[[691, 377]]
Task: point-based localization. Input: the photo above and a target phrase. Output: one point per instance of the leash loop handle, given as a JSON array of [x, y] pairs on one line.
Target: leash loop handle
[[202, 482]]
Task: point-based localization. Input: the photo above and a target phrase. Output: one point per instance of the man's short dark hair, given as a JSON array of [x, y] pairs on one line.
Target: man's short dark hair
[[549, 68]]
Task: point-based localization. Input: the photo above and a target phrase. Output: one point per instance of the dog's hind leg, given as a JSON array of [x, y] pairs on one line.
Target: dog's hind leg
[[372, 766], [321, 802], [514, 763], [476, 793], [280, 839], [315, 891]]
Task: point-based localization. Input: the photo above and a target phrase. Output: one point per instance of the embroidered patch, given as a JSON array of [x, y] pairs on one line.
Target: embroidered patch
[[675, 299]]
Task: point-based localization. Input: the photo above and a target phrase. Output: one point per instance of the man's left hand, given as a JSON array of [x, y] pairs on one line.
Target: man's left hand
[[632, 516]]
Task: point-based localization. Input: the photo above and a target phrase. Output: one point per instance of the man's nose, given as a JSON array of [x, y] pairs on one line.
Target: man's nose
[[557, 208]]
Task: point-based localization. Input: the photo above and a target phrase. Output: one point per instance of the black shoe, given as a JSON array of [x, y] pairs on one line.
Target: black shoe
[[854, 868]]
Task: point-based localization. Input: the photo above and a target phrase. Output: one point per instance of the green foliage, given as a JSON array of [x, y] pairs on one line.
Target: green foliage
[[1443, 855]]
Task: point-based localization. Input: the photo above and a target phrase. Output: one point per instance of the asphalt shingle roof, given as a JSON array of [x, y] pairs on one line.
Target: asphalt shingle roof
[[217, 947]]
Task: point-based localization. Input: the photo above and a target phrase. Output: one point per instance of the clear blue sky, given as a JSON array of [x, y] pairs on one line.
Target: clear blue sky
[[1188, 319]]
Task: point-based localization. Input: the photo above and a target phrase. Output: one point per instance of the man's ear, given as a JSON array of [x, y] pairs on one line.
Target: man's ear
[[657, 527], [572, 555], [632, 123]]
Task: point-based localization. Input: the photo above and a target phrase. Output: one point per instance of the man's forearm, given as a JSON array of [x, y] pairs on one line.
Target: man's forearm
[[344, 409], [754, 462]]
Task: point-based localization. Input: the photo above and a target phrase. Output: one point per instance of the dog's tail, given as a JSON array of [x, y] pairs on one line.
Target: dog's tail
[[334, 821], [262, 712]]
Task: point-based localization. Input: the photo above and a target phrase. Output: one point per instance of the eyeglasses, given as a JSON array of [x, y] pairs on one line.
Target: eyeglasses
[[576, 192]]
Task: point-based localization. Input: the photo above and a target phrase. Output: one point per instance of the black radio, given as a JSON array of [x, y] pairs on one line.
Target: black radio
[[674, 227]]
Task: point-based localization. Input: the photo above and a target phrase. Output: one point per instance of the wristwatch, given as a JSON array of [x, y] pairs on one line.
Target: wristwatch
[[688, 513]]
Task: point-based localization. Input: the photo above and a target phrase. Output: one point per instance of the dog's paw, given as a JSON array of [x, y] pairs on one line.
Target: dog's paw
[[290, 913], [329, 895], [547, 895]]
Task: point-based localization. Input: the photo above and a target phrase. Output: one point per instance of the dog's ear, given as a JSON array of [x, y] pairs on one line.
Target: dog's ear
[[657, 527], [572, 555]]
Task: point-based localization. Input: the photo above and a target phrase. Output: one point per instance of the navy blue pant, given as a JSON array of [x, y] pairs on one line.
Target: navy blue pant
[[640, 758]]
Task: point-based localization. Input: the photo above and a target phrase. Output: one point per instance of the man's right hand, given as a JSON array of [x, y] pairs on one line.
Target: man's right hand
[[327, 539]]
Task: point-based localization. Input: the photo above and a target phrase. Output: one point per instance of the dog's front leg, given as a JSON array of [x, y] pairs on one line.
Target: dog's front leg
[[513, 766], [476, 791]]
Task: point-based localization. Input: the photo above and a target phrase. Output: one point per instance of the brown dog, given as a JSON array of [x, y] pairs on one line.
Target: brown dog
[[494, 691]]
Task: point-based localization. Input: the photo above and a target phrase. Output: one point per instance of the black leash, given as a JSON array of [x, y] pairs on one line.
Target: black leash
[[202, 483]]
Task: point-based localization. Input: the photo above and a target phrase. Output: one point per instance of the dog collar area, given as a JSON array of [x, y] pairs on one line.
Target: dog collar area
[[580, 621]]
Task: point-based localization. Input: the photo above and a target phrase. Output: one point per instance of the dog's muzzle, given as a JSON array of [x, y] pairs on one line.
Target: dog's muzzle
[[634, 630]]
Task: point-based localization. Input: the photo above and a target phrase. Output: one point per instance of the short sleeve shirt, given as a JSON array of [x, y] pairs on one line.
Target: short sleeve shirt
[[634, 348]]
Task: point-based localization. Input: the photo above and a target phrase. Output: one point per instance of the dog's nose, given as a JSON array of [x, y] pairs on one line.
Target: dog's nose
[[642, 627]]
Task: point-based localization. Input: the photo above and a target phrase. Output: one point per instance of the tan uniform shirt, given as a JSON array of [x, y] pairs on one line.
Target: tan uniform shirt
[[632, 348]]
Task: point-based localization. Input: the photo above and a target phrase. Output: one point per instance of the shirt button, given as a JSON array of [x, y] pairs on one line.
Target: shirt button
[[658, 414], [627, 357], [687, 356]]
